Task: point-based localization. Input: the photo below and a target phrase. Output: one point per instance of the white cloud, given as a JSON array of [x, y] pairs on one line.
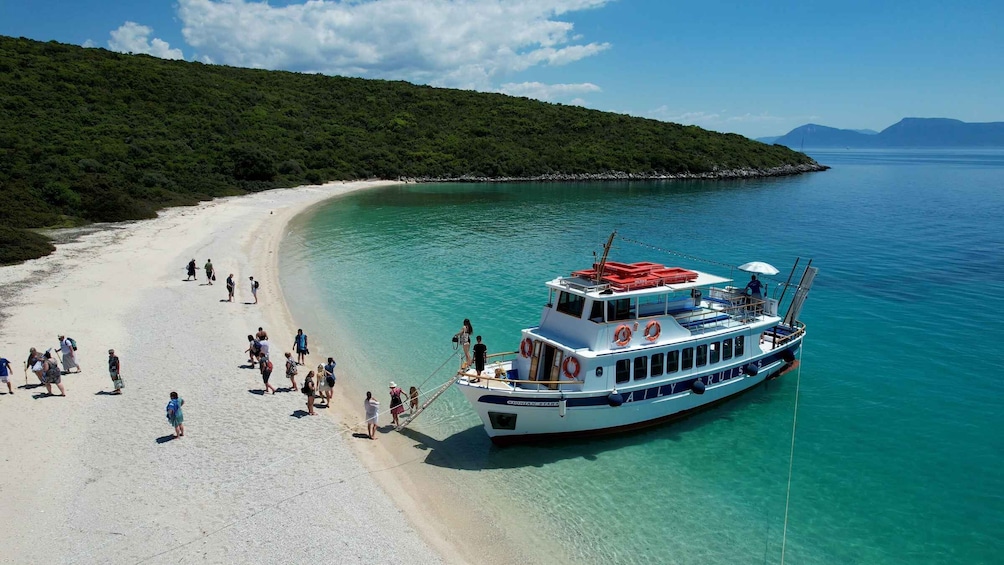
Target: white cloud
[[543, 91], [135, 38], [459, 43], [753, 125]]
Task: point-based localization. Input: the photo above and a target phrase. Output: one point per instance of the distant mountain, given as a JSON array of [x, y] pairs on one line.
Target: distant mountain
[[908, 132]]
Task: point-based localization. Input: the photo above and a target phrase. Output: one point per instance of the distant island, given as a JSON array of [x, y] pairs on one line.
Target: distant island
[[908, 132], [90, 135]]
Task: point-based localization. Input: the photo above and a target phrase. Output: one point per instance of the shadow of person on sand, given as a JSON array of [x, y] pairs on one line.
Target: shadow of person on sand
[[46, 395], [165, 439], [258, 391], [107, 393], [360, 435], [31, 386], [298, 414]]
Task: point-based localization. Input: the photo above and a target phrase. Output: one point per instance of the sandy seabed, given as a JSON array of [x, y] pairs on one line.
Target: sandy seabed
[[97, 478]]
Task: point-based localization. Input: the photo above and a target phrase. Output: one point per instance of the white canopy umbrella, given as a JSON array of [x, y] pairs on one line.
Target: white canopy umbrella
[[759, 267]]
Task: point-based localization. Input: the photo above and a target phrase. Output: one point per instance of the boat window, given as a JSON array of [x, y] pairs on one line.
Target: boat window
[[619, 309], [688, 358], [716, 351], [702, 355], [739, 345], [651, 306], [623, 370], [571, 304], [640, 367], [657, 364], [727, 349], [596, 312], [672, 362]]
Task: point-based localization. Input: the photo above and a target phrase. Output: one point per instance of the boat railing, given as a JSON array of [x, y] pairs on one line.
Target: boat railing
[[519, 382], [779, 340]]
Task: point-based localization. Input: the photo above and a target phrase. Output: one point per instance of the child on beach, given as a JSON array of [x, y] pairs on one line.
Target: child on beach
[[323, 388], [413, 394], [174, 415], [372, 408], [5, 374], [310, 390]]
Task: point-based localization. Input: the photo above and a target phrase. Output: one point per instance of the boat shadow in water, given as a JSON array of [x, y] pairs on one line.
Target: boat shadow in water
[[472, 450]]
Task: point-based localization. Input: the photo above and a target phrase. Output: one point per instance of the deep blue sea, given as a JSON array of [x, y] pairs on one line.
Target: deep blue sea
[[899, 442]]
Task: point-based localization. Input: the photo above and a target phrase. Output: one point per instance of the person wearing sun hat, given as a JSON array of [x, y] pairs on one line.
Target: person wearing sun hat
[[69, 356], [396, 405]]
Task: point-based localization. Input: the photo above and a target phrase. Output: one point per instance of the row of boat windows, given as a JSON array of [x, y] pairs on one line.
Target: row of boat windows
[[621, 308], [659, 364]]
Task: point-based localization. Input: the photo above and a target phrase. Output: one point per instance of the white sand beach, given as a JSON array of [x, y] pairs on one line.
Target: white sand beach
[[96, 478]]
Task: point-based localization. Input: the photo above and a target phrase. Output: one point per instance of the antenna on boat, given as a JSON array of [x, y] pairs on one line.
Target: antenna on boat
[[801, 291], [603, 260]]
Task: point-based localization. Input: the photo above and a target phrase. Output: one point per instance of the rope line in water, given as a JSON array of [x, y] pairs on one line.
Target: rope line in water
[[791, 453]]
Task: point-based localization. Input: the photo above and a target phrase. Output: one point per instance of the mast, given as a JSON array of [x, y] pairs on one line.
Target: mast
[[603, 260]]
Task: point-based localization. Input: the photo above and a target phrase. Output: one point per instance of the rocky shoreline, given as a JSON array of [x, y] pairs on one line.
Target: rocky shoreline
[[729, 174]]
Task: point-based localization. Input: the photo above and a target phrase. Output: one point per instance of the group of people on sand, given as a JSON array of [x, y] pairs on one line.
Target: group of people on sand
[[371, 407], [46, 365], [316, 385], [210, 271]]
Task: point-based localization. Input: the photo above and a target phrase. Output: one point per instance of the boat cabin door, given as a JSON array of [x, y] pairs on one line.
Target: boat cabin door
[[545, 364]]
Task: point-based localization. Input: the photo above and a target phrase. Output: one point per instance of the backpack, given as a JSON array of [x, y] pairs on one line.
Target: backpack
[[290, 367], [73, 343], [256, 285], [53, 371], [256, 346], [268, 365]]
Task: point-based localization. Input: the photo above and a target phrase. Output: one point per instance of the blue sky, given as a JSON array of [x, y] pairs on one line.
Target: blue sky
[[757, 68]]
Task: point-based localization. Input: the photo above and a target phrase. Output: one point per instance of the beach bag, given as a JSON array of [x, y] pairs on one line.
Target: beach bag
[[330, 381], [172, 408], [118, 383], [73, 343], [268, 366], [214, 276], [305, 389]]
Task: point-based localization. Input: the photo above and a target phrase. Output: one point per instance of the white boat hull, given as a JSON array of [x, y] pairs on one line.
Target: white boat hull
[[544, 414]]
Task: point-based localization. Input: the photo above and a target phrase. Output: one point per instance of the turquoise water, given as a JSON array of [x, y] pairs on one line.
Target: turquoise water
[[900, 432]]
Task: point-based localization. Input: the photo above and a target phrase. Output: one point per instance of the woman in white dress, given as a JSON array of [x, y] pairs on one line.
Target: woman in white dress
[[372, 407]]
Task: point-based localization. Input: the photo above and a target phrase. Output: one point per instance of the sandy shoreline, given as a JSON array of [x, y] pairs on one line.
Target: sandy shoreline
[[93, 477]]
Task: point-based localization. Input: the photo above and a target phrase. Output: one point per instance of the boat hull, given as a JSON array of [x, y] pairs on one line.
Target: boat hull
[[539, 415]]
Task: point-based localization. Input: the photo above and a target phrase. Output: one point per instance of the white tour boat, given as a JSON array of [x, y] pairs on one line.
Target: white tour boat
[[622, 346]]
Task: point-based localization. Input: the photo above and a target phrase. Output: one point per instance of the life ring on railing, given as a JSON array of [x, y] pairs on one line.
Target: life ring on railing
[[573, 372], [622, 335], [653, 334], [526, 347]]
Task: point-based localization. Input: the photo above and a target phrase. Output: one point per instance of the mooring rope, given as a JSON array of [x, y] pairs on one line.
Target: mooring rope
[[791, 454]]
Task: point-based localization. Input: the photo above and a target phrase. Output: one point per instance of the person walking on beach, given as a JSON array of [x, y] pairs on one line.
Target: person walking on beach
[[291, 370], [5, 374], [66, 347], [230, 288], [266, 372], [480, 356], [210, 272], [53, 376], [310, 390], [261, 333], [300, 346], [174, 414], [254, 289], [34, 363], [464, 338], [115, 371], [253, 350], [191, 270], [372, 408], [396, 405]]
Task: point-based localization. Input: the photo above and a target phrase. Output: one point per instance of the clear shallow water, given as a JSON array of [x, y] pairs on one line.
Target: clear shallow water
[[900, 435]]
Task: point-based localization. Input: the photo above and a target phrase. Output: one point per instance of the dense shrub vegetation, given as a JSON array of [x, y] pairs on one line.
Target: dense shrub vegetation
[[91, 135]]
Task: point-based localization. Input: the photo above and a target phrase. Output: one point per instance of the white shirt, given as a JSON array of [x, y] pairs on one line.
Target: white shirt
[[264, 346], [65, 346]]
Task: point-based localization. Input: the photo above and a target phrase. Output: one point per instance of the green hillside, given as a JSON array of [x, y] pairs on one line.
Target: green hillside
[[91, 135]]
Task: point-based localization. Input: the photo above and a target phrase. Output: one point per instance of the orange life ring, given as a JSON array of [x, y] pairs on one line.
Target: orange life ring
[[526, 348], [622, 335], [651, 334], [570, 373]]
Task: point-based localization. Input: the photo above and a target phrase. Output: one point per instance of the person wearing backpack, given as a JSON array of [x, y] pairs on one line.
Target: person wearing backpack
[[266, 372], [254, 289], [291, 371], [253, 350], [52, 375], [68, 348]]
